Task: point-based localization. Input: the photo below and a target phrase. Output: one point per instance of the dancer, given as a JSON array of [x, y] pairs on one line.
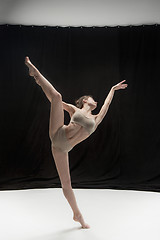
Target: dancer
[[64, 137]]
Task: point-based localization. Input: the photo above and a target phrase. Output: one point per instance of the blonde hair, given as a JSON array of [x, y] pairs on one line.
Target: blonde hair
[[79, 102]]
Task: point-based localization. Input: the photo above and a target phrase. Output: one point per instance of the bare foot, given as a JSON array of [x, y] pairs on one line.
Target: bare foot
[[33, 71], [79, 218]]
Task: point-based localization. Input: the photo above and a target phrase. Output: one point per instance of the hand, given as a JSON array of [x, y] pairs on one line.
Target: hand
[[120, 85]]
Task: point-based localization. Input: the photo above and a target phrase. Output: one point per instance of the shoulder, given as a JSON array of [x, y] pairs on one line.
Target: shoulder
[[73, 108], [69, 107]]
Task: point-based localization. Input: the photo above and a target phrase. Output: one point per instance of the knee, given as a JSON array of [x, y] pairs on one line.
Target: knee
[[56, 96], [66, 186], [67, 192]]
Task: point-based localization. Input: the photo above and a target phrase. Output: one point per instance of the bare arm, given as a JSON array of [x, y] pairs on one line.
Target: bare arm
[[108, 101], [105, 107], [69, 107]]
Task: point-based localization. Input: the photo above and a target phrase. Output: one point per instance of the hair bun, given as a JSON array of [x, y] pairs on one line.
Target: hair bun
[[79, 101]]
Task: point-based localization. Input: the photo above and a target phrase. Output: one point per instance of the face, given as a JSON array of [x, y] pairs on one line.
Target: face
[[90, 101]]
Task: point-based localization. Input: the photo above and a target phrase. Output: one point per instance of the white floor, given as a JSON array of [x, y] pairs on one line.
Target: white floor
[[44, 214]]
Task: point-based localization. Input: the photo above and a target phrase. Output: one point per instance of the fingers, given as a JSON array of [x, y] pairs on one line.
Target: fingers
[[124, 85], [123, 81]]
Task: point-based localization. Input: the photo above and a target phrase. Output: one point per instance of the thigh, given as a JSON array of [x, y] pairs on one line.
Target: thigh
[[56, 115], [62, 164]]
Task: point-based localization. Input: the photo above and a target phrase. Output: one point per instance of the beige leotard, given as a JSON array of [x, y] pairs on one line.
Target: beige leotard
[[60, 141], [81, 119]]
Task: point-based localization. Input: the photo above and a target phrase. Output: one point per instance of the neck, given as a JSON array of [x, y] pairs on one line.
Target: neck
[[87, 109]]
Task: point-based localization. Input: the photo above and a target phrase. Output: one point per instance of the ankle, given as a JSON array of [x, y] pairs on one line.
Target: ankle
[[37, 79], [77, 214]]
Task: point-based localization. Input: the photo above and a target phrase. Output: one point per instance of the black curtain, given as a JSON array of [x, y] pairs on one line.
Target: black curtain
[[124, 151]]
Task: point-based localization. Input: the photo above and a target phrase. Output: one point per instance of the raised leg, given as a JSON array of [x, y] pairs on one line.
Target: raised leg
[[56, 110], [62, 165], [46, 86]]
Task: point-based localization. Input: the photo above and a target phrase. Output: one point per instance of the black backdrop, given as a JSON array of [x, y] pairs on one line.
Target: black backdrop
[[124, 151]]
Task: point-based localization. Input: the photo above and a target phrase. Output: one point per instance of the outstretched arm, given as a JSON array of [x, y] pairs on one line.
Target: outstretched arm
[[108, 100]]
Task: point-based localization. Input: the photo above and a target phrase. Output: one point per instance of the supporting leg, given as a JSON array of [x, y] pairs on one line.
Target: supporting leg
[[69, 195], [62, 165]]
